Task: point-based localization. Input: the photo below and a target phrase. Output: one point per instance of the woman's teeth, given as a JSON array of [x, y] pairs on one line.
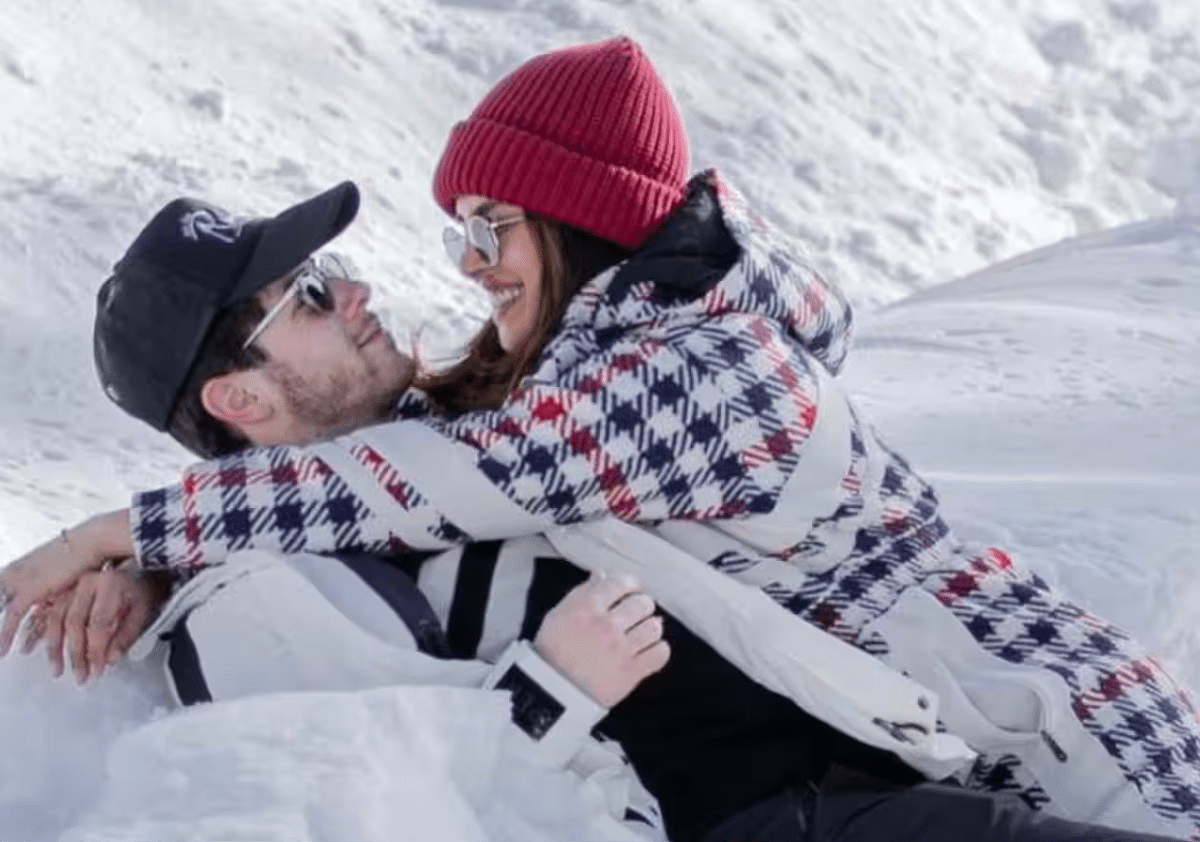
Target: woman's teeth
[[501, 298]]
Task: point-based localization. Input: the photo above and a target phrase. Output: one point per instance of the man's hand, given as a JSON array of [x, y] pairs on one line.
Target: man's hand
[[95, 622], [605, 637]]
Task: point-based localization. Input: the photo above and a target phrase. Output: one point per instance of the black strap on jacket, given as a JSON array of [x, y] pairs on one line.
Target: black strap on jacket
[[393, 585]]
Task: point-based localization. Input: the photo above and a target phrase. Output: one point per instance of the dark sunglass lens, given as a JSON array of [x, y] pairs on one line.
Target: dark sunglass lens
[[314, 293]]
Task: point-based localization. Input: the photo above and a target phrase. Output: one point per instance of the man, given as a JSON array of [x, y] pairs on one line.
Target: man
[[352, 625], [289, 352]]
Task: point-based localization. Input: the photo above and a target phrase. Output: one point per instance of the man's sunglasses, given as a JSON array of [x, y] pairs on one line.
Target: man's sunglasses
[[310, 285], [479, 233]]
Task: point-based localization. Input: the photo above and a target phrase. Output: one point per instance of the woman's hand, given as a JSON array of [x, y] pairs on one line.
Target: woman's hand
[[605, 637], [55, 566], [95, 622]]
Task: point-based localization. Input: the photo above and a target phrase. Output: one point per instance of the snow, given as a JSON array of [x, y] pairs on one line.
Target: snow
[[1052, 397], [1060, 402], [398, 762]]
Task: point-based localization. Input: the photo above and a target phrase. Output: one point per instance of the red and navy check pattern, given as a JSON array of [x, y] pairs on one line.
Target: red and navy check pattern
[[640, 410], [1119, 692], [699, 410]]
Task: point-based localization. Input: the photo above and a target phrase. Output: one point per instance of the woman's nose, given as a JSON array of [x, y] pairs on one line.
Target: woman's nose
[[473, 262]]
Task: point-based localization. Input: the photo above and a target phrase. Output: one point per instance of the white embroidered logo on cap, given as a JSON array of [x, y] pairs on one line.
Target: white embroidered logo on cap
[[214, 224]]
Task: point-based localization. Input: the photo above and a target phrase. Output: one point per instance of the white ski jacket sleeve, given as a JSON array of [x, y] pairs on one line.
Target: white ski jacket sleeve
[[259, 625]]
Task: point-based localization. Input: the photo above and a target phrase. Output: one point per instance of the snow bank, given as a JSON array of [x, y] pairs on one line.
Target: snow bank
[[56, 739], [411, 763], [1054, 400]]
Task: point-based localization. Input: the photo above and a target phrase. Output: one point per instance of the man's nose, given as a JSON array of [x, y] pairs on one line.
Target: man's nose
[[352, 297]]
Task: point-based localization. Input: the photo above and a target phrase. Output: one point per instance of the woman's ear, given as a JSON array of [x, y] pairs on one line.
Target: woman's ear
[[237, 399]]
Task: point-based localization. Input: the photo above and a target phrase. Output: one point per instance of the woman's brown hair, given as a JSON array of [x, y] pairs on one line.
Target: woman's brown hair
[[487, 374]]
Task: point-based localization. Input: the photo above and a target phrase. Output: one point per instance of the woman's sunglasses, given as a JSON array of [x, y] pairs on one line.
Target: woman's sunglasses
[[310, 285], [479, 233]]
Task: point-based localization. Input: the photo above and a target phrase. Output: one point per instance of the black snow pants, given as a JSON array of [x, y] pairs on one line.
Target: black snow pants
[[853, 807]]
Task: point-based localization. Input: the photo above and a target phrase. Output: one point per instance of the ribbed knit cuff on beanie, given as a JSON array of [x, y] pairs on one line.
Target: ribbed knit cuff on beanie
[[587, 135]]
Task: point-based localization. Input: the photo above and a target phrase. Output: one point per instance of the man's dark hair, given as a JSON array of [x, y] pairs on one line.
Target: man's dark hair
[[191, 424]]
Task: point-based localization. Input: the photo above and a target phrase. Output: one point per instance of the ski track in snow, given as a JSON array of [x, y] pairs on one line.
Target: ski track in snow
[[1053, 398]]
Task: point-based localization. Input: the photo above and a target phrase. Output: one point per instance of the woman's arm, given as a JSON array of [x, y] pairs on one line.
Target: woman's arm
[[54, 567], [706, 425]]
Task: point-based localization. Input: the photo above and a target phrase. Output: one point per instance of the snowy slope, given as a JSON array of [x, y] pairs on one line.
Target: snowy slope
[[1053, 398]]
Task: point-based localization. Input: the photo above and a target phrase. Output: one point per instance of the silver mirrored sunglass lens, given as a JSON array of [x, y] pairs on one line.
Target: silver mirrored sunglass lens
[[475, 232], [482, 234], [455, 242], [309, 284]]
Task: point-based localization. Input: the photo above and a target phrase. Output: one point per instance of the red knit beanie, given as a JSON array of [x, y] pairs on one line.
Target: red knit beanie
[[588, 135]]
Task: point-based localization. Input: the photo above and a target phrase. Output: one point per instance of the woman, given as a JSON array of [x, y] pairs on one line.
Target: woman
[[690, 389]]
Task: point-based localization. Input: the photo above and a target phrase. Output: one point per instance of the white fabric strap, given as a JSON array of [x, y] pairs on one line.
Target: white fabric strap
[[832, 680], [566, 736], [814, 488], [447, 473], [366, 486], [1006, 708]]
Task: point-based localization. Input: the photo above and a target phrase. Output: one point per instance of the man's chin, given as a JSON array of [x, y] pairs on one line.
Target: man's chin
[[393, 367], [405, 373]]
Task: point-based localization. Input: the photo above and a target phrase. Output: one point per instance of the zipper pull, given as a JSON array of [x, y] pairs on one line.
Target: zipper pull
[[1055, 748]]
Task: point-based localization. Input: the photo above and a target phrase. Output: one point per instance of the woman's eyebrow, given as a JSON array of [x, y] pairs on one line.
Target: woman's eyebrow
[[485, 208]]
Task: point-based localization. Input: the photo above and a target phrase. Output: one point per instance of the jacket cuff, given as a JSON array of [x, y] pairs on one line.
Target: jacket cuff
[[553, 715]]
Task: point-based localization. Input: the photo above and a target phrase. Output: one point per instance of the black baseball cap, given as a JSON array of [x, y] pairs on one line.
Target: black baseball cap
[[189, 264]]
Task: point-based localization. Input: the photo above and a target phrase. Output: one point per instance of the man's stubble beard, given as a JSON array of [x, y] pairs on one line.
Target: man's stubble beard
[[324, 410]]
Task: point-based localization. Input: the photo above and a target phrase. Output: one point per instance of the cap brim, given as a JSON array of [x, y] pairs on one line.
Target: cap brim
[[291, 237]]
